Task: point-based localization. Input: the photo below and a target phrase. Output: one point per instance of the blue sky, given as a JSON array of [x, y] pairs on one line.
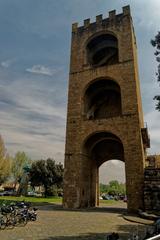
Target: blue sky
[[34, 66]]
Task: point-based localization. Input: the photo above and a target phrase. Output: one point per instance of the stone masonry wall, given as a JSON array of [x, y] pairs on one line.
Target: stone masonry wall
[[152, 189], [79, 183]]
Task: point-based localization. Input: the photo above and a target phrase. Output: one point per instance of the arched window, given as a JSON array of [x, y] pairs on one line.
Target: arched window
[[102, 100], [103, 50]]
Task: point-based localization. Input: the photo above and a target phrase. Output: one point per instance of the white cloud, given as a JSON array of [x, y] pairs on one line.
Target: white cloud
[[7, 63], [153, 123], [15, 122], [112, 170], [41, 69], [39, 139], [30, 121], [147, 14]]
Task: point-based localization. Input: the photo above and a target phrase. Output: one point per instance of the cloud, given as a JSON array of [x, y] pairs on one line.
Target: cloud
[[152, 119], [112, 170], [38, 137], [33, 106], [41, 69], [147, 17], [7, 63], [32, 118]]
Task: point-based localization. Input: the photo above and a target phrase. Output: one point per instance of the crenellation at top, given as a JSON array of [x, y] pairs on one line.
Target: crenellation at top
[[87, 22], [74, 27], [126, 10], [99, 19], [112, 14]]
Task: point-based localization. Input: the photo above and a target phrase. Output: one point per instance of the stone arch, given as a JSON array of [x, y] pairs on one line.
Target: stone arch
[[98, 148], [102, 49], [102, 99]]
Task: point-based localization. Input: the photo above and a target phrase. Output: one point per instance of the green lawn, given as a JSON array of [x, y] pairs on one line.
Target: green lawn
[[34, 200], [108, 202], [41, 200]]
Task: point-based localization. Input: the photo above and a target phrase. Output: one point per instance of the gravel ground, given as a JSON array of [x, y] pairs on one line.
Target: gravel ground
[[55, 223]]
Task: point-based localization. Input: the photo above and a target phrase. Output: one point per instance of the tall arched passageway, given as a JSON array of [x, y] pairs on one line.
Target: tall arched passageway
[[98, 148]]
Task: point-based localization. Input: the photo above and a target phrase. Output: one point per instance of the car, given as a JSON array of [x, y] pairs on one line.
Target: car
[[106, 197], [125, 199], [8, 193], [31, 193], [111, 197], [116, 198]]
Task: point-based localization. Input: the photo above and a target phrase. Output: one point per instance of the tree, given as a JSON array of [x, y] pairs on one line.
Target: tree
[[113, 188], [5, 163], [156, 44], [103, 188], [116, 188], [46, 173], [18, 163]]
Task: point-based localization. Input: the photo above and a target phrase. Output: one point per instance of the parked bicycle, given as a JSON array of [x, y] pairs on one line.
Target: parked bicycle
[[17, 214]]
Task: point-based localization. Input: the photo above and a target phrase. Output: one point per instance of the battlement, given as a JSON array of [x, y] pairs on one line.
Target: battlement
[[100, 20]]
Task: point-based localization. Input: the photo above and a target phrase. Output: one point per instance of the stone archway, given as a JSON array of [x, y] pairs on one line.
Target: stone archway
[[98, 148]]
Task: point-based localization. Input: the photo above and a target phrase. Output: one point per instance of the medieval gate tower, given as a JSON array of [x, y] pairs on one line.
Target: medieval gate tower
[[105, 119]]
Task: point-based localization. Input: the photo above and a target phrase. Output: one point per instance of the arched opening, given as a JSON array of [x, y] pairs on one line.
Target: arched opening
[[102, 99], [98, 148], [102, 50], [112, 180]]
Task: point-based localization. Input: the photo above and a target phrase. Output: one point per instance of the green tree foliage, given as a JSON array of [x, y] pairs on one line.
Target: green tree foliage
[[48, 174], [18, 163], [113, 188], [103, 188], [5, 162], [156, 44]]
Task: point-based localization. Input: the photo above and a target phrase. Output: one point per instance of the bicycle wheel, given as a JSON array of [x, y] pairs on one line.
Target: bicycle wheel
[[2, 222], [21, 220]]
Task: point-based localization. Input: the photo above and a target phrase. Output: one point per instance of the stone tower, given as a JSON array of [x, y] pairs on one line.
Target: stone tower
[[105, 119]]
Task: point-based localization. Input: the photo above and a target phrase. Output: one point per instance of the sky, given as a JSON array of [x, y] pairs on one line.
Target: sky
[[34, 68]]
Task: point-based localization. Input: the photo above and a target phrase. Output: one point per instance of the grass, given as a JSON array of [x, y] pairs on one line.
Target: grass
[[41, 200], [34, 200], [108, 202]]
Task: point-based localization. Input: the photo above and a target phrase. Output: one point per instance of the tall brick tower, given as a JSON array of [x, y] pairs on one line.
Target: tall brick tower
[[105, 119]]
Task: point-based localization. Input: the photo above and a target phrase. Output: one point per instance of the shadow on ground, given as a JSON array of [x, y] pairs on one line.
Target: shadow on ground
[[129, 230], [125, 232], [89, 236], [58, 207]]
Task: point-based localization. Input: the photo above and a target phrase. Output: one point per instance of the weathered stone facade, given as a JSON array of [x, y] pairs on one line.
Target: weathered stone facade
[[105, 119], [152, 184]]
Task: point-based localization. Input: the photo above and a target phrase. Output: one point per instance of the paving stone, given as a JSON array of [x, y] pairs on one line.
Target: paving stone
[[59, 224]]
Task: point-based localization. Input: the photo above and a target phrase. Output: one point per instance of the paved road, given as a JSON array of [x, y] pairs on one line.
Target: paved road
[[54, 223]]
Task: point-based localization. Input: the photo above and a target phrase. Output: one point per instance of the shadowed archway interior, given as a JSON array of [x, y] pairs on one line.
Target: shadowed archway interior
[[102, 50], [102, 100], [99, 148]]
